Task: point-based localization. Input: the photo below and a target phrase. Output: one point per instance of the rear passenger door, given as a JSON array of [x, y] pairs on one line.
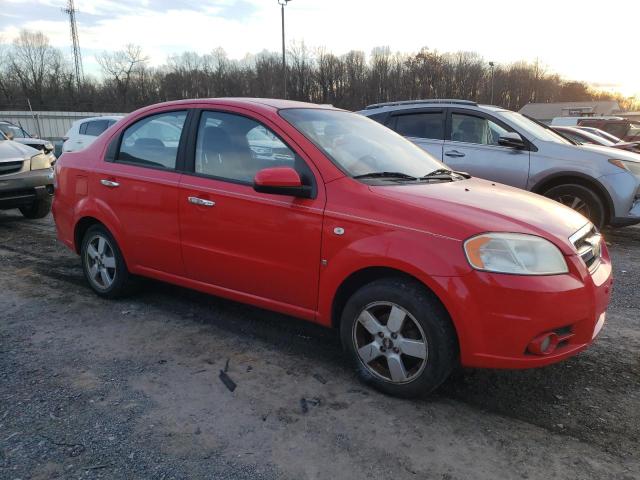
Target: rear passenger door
[[139, 183], [424, 127], [472, 146]]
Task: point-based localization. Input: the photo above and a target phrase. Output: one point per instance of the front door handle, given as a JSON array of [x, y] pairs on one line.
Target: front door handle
[[201, 201], [454, 153], [109, 183]]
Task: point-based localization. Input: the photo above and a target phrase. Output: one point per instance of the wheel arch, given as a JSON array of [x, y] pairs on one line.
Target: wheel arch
[[364, 276], [565, 178]]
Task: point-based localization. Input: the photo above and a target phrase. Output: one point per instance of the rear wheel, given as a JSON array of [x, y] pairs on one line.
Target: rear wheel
[[399, 337], [38, 209], [582, 199], [103, 264]]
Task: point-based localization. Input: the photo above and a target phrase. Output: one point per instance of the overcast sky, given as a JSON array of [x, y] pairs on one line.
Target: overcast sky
[[580, 39]]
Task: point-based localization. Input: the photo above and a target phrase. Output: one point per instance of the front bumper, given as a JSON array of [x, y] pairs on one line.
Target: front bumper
[[20, 189], [497, 316], [624, 190]]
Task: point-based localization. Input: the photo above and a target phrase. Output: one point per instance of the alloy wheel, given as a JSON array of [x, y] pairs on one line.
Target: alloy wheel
[[576, 203], [101, 262], [390, 342]]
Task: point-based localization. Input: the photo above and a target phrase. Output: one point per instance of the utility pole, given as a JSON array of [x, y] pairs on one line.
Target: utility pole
[[282, 4], [492, 65], [77, 56]]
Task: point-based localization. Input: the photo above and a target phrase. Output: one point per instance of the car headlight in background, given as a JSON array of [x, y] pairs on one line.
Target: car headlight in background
[[633, 167], [514, 253], [40, 161]]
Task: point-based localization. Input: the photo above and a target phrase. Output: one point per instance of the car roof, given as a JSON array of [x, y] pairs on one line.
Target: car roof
[[438, 102], [257, 104]]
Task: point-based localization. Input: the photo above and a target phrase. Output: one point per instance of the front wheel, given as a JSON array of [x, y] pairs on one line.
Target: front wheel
[[581, 199], [38, 209], [399, 337]]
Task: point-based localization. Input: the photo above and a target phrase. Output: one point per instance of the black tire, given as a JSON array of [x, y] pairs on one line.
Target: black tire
[[581, 199], [423, 309], [38, 209], [122, 282]]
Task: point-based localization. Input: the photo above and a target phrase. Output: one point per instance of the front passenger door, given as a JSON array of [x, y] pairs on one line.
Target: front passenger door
[[472, 146], [260, 245]]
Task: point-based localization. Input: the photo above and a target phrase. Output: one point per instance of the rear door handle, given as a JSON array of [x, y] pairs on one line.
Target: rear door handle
[[109, 183], [454, 153], [201, 201]]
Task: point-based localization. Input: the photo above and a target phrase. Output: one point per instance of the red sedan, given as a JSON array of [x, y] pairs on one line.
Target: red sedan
[[330, 217]]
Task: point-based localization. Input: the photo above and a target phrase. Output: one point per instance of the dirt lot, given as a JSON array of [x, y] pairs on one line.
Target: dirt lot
[[129, 389]]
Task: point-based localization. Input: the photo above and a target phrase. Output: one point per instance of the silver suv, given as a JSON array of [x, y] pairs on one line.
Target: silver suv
[[490, 142]]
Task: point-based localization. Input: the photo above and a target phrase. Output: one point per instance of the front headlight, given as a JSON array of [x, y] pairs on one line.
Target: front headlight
[[40, 161], [514, 253], [633, 167]]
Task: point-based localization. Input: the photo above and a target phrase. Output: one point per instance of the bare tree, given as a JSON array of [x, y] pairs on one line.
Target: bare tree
[[31, 69], [120, 67]]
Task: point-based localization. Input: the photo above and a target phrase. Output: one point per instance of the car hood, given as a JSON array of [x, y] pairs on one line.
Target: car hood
[[465, 208], [11, 151], [611, 152]]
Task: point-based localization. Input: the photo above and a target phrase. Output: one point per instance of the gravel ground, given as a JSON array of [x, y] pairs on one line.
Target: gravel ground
[[129, 389]]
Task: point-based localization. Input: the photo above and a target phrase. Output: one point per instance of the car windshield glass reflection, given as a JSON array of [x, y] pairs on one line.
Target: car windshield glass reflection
[[360, 146]]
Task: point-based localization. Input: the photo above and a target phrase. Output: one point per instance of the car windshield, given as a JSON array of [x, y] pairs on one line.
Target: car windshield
[[359, 145], [17, 131], [532, 128], [634, 130]]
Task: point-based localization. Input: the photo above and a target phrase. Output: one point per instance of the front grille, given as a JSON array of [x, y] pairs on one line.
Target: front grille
[[10, 167], [588, 243]]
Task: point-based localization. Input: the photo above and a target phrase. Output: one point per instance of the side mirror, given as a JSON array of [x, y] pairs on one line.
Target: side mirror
[[281, 181], [513, 140]]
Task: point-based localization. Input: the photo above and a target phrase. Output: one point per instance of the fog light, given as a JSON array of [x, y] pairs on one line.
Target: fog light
[[544, 344]]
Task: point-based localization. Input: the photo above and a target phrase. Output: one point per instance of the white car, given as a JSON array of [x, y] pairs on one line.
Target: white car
[[83, 132]]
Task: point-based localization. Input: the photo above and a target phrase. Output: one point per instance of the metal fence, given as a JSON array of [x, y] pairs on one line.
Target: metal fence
[[48, 125]]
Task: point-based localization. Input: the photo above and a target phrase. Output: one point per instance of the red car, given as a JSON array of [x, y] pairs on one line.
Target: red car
[[330, 217]]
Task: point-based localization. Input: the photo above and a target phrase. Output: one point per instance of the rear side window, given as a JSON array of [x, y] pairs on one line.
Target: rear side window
[[153, 141], [421, 125], [95, 127]]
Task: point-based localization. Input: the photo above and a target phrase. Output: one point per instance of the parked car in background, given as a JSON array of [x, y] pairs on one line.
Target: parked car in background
[[20, 135], [600, 133], [626, 130], [585, 137], [507, 147], [26, 179], [83, 132], [420, 268]]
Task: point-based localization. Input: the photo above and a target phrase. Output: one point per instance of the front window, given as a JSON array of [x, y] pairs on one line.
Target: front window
[[234, 147], [532, 128], [474, 129], [358, 145]]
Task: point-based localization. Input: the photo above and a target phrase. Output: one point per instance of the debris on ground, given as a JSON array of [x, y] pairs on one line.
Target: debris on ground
[[230, 384]]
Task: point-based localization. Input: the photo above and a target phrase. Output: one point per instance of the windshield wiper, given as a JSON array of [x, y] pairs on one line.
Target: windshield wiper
[[395, 175], [445, 174]]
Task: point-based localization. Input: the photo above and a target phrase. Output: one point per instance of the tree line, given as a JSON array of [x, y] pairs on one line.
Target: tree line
[[34, 72]]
